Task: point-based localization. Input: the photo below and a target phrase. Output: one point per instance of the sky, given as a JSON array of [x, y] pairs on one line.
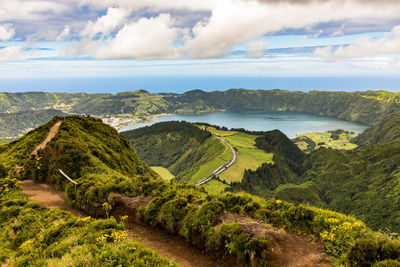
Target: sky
[[173, 45]]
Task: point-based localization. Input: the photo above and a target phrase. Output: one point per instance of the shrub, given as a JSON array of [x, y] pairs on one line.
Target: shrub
[[364, 252], [387, 263], [172, 212], [3, 171], [43, 237]]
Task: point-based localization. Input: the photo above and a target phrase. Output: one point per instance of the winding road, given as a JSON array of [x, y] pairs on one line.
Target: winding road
[[223, 167], [165, 244]]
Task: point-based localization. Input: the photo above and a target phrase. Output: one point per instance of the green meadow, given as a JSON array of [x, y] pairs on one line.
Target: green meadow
[[163, 172], [248, 155], [336, 139]]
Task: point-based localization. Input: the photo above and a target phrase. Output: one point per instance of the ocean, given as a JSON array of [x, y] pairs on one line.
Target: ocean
[[181, 84]]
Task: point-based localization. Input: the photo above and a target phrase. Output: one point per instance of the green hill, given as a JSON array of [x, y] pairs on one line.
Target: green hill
[[248, 155], [241, 225], [367, 107], [16, 102], [32, 235], [91, 153], [385, 130], [16, 124], [87, 150], [361, 182], [188, 152], [336, 139], [137, 103], [287, 165]]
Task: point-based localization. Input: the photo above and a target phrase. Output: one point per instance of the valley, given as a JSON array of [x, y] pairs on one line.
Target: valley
[[273, 197], [172, 133], [139, 106]]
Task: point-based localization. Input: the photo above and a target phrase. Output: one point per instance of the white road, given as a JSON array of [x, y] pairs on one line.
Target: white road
[[223, 167]]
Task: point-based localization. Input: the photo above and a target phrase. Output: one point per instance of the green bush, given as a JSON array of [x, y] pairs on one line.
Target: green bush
[[387, 263], [42, 237], [3, 171], [172, 212], [366, 252], [363, 253]]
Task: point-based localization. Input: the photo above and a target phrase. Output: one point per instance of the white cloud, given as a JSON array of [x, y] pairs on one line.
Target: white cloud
[[233, 21], [153, 4], [31, 9], [11, 53], [64, 35], [107, 23], [364, 47], [256, 48], [6, 32], [147, 38]]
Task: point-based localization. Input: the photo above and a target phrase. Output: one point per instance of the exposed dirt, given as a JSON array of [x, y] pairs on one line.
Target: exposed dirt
[[167, 245], [48, 196], [286, 248], [53, 132], [174, 247]]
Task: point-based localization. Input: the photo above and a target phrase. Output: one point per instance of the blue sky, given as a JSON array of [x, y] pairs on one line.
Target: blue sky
[[114, 40]]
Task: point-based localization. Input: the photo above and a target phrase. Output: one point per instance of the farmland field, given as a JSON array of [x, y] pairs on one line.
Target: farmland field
[[248, 156], [337, 139]]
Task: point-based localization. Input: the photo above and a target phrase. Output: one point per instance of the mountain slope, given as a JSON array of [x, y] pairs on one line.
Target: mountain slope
[[188, 152], [385, 130], [367, 106], [288, 160], [16, 102], [91, 153], [32, 235], [138, 103], [241, 225], [16, 124], [362, 182]]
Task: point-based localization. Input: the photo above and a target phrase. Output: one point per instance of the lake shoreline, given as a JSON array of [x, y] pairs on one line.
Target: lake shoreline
[[290, 123]]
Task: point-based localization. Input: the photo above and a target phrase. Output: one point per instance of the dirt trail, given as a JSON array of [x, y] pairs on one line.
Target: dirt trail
[[48, 196], [52, 133], [291, 250], [167, 245], [286, 248]]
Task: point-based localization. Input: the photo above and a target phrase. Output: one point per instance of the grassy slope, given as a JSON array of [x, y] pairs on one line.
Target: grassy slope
[[36, 236], [213, 156], [15, 125], [15, 102], [314, 140], [138, 103], [91, 153], [195, 215], [368, 106], [215, 187], [16, 152], [249, 156], [188, 152], [3, 142], [363, 182], [386, 130], [163, 172]]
